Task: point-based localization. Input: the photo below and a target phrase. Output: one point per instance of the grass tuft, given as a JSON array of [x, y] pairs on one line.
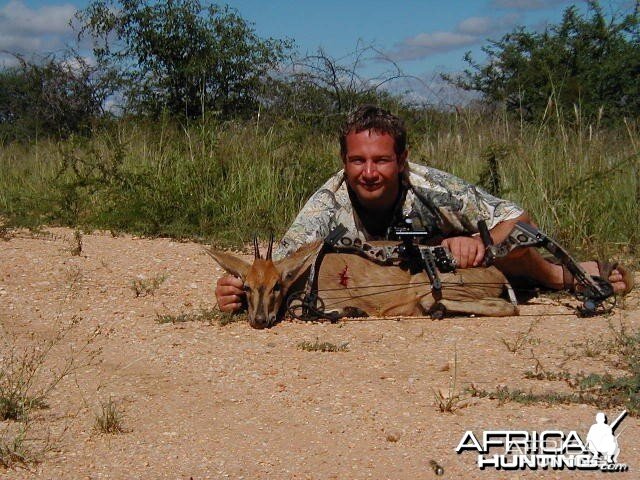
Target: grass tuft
[[450, 400], [147, 286], [205, 315], [503, 394], [319, 346], [521, 340], [226, 318], [110, 418], [15, 448]]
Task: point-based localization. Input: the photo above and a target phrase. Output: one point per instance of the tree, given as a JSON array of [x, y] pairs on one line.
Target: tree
[[50, 96], [181, 55], [319, 90], [587, 61]]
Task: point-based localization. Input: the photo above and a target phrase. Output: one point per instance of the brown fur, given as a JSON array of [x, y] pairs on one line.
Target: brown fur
[[348, 282]]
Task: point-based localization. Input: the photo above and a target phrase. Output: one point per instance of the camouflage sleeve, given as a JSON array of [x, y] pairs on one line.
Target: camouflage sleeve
[[468, 203], [314, 222], [478, 204], [483, 205]]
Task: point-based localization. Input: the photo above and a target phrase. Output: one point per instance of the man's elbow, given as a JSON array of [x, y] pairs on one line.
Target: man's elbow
[[524, 217]]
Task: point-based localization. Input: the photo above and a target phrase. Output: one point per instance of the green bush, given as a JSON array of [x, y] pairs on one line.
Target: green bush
[[591, 62]]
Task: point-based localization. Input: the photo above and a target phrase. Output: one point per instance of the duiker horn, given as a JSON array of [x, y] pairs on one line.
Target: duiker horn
[[270, 249], [256, 250]]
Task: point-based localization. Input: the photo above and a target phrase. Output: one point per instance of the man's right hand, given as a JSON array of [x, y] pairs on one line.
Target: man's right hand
[[229, 293]]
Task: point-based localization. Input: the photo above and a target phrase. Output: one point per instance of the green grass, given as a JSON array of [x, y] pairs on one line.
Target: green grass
[[226, 182], [622, 351]]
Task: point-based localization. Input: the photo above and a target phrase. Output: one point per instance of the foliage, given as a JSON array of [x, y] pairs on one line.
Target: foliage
[[181, 55], [589, 61], [50, 97], [227, 182], [29, 375]]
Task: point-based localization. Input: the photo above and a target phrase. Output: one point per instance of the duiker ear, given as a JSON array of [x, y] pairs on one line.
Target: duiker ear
[[232, 264], [295, 264]]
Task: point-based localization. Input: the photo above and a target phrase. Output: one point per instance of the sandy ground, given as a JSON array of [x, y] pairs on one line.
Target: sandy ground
[[210, 401]]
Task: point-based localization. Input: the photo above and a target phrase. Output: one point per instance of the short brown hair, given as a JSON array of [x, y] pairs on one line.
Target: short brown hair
[[370, 117]]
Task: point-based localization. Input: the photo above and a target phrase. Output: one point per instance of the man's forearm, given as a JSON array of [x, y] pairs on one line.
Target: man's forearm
[[501, 230]]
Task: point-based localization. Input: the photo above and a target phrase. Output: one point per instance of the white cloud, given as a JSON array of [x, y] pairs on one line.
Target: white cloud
[[19, 43], [470, 31], [526, 4], [438, 40], [28, 30], [476, 25], [429, 89], [8, 61], [77, 64]]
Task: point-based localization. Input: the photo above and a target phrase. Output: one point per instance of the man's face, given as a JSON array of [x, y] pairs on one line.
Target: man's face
[[372, 168]]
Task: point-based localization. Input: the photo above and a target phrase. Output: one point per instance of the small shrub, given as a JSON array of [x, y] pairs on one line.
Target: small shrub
[[14, 447], [6, 233], [76, 249], [27, 377]]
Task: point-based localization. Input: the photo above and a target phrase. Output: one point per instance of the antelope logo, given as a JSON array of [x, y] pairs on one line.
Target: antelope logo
[[349, 283], [266, 282]]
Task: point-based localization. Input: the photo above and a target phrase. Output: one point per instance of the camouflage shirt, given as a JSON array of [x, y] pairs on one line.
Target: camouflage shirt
[[437, 202]]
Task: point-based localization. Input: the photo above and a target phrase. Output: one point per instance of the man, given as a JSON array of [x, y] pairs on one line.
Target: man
[[378, 188]]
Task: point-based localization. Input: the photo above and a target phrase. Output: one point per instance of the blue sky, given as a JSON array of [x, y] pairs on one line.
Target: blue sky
[[422, 37]]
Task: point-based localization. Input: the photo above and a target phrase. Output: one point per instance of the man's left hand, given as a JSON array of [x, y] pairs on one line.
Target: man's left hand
[[468, 251]]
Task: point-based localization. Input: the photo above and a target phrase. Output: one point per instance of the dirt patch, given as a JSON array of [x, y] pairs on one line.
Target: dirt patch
[[200, 400]]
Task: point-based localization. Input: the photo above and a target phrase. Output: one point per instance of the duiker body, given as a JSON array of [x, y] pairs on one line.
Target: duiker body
[[349, 283]]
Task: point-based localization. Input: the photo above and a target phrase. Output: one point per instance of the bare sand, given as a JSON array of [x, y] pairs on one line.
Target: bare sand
[[201, 400]]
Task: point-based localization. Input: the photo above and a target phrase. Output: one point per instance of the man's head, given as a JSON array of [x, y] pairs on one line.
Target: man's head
[[370, 117], [373, 146]]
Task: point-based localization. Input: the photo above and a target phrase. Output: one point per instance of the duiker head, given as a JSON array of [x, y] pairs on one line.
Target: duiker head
[[266, 282]]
